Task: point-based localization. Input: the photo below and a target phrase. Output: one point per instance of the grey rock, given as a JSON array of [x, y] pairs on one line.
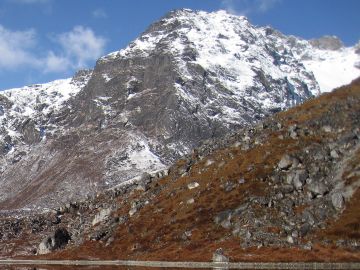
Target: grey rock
[[58, 240], [132, 211], [304, 229], [228, 186], [145, 178], [327, 43], [30, 133], [186, 235], [317, 188], [218, 256], [327, 129], [286, 162], [240, 209], [287, 189], [308, 217], [103, 215], [334, 154], [279, 196], [293, 131], [295, 234], [241, 181], [290, 239], [102, 234], [297, 178], [142, 187], [224, 219], [337, 200], [307, 246]]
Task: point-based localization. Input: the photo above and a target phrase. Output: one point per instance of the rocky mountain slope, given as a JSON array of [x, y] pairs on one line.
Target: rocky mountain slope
[[286, 189], [191, 76]]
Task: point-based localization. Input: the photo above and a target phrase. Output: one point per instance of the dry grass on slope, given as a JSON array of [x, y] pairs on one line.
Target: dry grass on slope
[[178, 223]]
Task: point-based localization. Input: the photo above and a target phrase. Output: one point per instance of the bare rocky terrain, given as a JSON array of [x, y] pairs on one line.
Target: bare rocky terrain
[[285, 189]]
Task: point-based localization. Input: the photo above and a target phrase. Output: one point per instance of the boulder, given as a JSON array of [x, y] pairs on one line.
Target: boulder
[[58, 240], [304, 229], [286, 162], [337, 200], [297, 178], [218, 256], [290, 239], [317, 188], [293, 131]]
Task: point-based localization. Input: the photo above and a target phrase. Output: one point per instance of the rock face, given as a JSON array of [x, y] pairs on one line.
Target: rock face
[[327, 43], [189, 77]]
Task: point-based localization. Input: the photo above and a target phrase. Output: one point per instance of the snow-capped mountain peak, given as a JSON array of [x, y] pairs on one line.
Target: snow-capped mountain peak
[[232, 41], [191, 76]]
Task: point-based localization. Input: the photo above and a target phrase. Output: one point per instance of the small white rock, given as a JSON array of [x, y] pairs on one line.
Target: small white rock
[[208, 162], [193, 185], [327, 129], [190, 201], [290, 240], [132, 211]]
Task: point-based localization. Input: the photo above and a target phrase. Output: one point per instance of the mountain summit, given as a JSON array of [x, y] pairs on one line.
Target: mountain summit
[[191, 76]]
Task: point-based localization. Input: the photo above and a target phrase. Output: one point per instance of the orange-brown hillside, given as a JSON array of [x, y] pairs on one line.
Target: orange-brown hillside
[[227, 197], [284, 190]]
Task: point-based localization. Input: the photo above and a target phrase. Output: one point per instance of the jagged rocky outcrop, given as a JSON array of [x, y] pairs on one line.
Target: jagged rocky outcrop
[[189, 77], [332, 43]]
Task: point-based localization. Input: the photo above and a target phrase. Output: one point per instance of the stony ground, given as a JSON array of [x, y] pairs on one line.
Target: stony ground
[[284, 190]]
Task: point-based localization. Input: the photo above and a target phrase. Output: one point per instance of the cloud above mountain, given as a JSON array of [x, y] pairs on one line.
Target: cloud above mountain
[[16, 48], [245, 7], [75, 49], [79, 46]]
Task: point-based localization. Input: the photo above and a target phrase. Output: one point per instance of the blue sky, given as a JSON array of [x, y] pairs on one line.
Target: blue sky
[[43, 40]]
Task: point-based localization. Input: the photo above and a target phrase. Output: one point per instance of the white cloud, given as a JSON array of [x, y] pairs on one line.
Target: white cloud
[[228, 5], [99, 13], [75, 49], [54, 63], [15, 48], [245, 7], [265, 5], [82, 45]]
